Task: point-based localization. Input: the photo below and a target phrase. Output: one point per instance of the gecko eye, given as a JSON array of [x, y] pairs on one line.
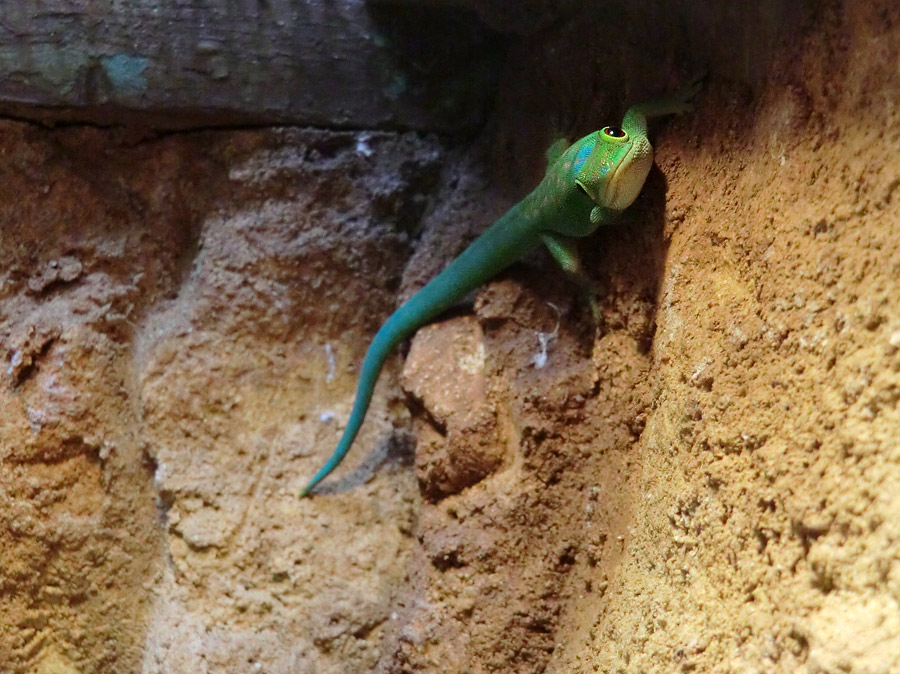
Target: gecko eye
[[614, 134]]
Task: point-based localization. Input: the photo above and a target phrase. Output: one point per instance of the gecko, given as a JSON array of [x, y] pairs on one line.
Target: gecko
[[586, 185]]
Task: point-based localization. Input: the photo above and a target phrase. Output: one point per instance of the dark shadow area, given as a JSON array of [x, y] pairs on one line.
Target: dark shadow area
[[394, 452]]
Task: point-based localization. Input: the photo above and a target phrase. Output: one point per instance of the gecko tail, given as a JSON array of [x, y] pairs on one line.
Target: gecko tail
[[364, 393], [385, 340], [505, 241]]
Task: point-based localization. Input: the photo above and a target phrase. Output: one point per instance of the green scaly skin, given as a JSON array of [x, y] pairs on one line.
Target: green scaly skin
[[586, 186]]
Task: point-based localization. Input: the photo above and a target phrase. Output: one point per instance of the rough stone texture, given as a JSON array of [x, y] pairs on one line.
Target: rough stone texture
[[85, 248], [458, 444], [765, 516], [243, 376], [160, 302], [709, 482]]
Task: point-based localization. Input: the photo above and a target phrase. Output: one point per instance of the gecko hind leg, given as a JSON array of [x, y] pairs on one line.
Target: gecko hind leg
[[565, 251]]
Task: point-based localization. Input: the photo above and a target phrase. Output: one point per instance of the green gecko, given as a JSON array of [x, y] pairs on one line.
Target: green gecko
[[585, 186]]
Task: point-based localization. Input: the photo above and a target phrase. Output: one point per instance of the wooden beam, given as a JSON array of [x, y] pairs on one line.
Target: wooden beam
[[332, 63]]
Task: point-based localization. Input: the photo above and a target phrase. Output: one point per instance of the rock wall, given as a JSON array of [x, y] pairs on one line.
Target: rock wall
[[706, 481]]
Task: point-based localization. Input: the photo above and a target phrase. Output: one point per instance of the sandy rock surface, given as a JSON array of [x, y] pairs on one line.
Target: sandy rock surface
[[709, 481]]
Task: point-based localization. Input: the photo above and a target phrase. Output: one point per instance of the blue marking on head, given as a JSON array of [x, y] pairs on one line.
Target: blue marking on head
[[604, 170], [583, 153]]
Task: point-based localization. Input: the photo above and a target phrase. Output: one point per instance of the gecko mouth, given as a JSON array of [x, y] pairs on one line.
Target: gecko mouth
[[629, 176]]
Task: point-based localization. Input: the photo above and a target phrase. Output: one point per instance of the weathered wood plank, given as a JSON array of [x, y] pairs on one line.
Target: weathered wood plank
[[320, 62]]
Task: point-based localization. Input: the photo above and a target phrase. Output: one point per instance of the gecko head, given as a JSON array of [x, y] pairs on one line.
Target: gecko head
[[614, 172]]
